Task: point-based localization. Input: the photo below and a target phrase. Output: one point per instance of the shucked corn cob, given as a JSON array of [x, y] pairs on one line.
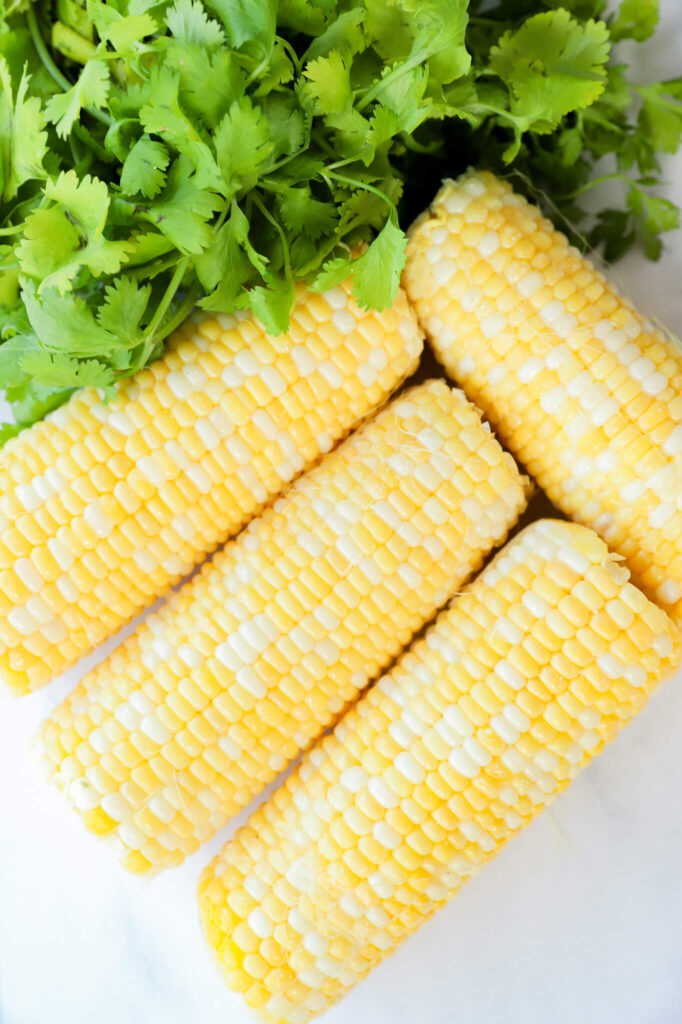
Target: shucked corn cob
[[104, 508], [517, 685], [199, 710], [582, 389]]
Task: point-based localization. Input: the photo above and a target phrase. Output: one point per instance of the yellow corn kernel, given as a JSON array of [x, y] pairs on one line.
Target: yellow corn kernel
[[269, 715], [581, 388], [496, 771], [195, 440]]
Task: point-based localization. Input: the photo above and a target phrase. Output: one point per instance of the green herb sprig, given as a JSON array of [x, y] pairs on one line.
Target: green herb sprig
[[155, 156]]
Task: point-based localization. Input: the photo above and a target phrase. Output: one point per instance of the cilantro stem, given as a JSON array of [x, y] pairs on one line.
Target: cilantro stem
[[274, 186], [278, 228], [227, 207], [13, 229], [152, 268], [292, 53], [287, 159], [257, 72], [77, 154], [164, 303], [93, 145], [359, 184], [52, 69], [43, 52], [99, 115], [379, 87], [616, 175], [342, 163], [417, 147], [181, 313]]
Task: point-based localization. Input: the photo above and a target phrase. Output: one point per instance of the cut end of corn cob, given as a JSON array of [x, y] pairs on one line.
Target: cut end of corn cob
[[104, 507], [187, 721], [517, 685], [585, 392]]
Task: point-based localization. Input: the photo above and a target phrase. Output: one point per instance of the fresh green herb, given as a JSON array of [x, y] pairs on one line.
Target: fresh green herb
[[158, 154]]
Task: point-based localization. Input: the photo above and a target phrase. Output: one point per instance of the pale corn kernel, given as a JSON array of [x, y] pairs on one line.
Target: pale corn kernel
[[476, 796], [586, 400], [252, 640], [136, 463]]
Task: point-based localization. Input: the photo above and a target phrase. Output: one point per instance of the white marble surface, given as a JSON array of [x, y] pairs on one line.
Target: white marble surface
[[579, 920]]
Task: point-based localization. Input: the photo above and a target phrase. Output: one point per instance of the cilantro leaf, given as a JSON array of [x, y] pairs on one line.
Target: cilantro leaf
[[362, 207], [352, 134], [654, 216], [123, 32], [10, 7], [660, 118], [226, 265], [636, 19], [223, 260], [65, 323], [147, 247], [243, 145], [144, 168], [208, 82], [389, 29], [31, 400], [86, 200], [376, 274], [385, 124], [615, 230], [440, 37], [163, 115], [248, 21], [303, 214], [53, 250], [188, 23], [333, 272], [272, 305], [60, 239], [12, 352], [404, 97], [306, 16], [329, 83], [91, 90], [343, 36], [23, 142], [83, 206], [289, 132], [123, 309], [13, 318], [552, 65], [59, 370], [183, 209], [281, 70], [48, 243]]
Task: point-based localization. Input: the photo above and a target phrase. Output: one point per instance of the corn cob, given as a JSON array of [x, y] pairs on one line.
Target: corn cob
[[582, 390], [104, 507], [517, 685], [213, 696]]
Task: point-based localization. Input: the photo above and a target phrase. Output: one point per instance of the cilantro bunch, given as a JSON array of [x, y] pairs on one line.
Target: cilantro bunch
[[161, 154]]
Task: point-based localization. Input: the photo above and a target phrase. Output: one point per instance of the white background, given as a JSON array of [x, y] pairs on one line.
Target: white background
[[578, 922]]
